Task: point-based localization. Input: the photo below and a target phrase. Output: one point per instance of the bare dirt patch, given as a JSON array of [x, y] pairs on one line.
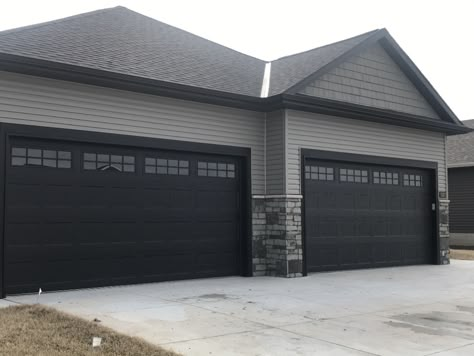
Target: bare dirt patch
[[41, 331], [462, 254]]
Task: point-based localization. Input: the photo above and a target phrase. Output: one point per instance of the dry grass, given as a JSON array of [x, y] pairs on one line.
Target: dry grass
[[462, 254], [40, 331]]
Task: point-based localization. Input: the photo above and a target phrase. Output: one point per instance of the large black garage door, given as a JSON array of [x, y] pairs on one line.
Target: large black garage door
[[359, 216], [81, 215]]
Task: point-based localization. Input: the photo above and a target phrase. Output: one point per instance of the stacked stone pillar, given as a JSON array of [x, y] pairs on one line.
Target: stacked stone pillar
[[444, 228], [277, 236]]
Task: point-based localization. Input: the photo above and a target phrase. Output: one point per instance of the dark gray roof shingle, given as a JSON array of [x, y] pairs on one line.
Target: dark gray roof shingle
[[122, 41], [460, 148]]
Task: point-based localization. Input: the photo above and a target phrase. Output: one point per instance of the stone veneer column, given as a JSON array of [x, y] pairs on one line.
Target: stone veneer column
[[443, 228], [277, 236]]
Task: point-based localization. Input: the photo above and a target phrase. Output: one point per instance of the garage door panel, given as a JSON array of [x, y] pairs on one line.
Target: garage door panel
[[375, 219], [94, 223]]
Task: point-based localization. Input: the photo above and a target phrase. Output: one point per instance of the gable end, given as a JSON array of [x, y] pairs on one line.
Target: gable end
[[371, 78]]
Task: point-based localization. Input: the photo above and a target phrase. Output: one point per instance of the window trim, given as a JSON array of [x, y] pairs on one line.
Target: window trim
[[309, 170], [41, 157], [183, 166], [354, 176], [386, 172], [230, 169], [109, 166], [415, 180]]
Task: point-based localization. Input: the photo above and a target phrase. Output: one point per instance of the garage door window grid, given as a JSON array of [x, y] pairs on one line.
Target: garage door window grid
[[319, 173], [412, 180], [166, 166], [353, 175], [388, 178], [216, 169], [25, 156], [108, 162], [349, 175]]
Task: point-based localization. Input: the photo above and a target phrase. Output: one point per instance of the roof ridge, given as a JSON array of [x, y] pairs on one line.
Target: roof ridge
[[329, 44], [90, 13], [63, 19]]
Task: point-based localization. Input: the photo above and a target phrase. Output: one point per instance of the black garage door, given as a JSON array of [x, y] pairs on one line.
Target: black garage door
[[359, 216], [82, 215]]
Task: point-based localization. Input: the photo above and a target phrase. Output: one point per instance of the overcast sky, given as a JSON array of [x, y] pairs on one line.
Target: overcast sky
[[437, 35]]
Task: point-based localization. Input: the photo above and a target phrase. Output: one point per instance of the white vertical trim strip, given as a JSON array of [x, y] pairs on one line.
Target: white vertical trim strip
[[266, 80]]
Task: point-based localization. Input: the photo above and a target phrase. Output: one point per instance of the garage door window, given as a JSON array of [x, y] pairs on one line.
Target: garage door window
[[216, 169], [353, 175], [166, 166], [108, 162], [319, 173], [412, 180], [25, 156], [389, 178]]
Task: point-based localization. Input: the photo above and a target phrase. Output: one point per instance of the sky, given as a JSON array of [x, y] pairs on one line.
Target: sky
[[437, 35]]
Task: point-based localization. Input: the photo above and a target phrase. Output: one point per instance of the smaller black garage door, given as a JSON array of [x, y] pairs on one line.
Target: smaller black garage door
[[359, 216]]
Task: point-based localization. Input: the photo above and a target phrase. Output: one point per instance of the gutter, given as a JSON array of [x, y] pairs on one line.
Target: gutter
[[89, 76]]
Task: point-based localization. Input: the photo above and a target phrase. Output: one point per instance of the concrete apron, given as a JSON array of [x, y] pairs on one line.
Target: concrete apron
[[417, 310]]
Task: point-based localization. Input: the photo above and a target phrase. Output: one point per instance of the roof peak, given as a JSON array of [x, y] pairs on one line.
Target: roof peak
[[67, 18], [331, 44], [120, 7]]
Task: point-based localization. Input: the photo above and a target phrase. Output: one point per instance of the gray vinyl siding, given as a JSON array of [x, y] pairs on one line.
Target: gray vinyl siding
[[275, 152], [371, 78], [329, 133], [44, 102]]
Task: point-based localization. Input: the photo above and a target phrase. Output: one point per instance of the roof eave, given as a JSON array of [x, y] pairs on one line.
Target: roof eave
[[66, 72], [366, 113], [97, 77]]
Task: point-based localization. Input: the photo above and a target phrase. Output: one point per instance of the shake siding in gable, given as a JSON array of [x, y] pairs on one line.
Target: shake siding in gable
[[321, 132], [371, 78], [45, 102]]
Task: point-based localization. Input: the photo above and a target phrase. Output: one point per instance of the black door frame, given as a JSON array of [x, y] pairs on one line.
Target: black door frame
[[432, 166], [59, 134]]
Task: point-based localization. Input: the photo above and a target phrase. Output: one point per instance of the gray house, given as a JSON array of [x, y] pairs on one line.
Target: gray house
[[133, 152], [460, 153]]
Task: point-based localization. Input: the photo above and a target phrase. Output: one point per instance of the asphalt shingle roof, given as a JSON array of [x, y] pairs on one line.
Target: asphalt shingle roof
[[290, 70], [460, 148], [122, 41]]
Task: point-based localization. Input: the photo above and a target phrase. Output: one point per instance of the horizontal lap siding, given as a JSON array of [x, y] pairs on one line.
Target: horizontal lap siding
[[275, 153], [329, 133], [43, 102]]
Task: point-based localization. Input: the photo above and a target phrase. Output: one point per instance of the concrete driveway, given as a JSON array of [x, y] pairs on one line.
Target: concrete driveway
[[422, 310]]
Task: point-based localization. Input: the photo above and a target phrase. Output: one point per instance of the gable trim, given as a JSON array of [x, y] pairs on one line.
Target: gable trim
[[418, 79], [402, 60], [336, 62]]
